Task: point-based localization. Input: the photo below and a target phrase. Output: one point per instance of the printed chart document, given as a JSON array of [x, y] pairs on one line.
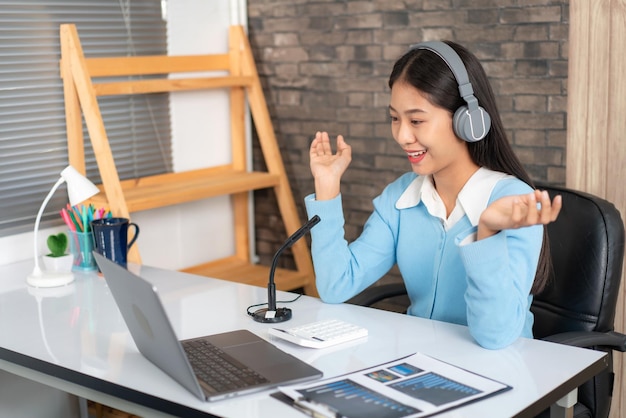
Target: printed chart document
[[414, 386]]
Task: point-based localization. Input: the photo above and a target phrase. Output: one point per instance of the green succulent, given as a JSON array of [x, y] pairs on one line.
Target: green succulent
[[57, 244]]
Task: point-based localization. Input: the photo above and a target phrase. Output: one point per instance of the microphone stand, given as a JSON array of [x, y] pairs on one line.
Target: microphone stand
[[271, 314]]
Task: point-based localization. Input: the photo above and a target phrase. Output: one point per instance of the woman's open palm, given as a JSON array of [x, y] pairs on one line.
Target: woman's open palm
[[328, 167], [323, 161], [518, 211]]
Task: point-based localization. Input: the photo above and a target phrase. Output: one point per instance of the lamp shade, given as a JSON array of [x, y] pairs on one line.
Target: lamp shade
[[79, 188]]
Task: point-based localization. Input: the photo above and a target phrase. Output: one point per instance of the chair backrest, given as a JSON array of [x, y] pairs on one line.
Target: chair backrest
[[587, 247]]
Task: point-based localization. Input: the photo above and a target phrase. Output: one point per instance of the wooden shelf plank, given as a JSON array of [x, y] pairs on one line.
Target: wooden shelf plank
[[146, 193], [237, 270], [168, 85], [155, 64]]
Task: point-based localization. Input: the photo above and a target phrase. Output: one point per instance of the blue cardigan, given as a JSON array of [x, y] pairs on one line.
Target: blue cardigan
[[483, 284]]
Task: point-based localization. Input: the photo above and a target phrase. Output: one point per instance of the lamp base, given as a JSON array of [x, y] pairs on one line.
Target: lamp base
[[49, 279], [280, 315]]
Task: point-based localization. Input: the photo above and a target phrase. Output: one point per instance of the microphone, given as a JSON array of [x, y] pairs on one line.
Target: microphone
[[271, 314]]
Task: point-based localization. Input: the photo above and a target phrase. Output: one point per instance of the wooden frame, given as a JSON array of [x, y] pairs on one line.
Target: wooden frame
[[596, 150], [82, 89]]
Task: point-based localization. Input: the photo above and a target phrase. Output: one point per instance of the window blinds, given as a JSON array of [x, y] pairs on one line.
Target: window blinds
[[33, 143]]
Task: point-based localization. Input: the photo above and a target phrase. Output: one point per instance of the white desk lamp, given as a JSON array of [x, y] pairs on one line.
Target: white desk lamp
[[79, 189]]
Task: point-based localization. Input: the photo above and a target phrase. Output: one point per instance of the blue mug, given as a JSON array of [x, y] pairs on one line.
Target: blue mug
[[110, 236]]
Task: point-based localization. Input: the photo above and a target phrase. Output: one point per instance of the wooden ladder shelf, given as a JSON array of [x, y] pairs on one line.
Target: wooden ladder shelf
[[82, 88]]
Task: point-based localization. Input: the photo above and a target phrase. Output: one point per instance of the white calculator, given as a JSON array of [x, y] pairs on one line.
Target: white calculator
[[320, 334]]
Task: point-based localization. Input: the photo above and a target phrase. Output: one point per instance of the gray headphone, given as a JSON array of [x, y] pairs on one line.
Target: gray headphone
[[470, 123]]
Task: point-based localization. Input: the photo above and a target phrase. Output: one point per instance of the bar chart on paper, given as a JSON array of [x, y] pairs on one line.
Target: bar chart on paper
[[434, 388], [347, 395]]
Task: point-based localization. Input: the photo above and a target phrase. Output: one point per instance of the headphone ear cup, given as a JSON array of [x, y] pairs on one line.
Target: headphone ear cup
[[460, 120], [462, 125]]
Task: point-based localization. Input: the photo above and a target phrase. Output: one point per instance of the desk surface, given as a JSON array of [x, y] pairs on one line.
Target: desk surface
[[74, 338]]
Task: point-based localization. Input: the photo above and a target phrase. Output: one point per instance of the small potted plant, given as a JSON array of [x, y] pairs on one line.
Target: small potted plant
[[58, 260]]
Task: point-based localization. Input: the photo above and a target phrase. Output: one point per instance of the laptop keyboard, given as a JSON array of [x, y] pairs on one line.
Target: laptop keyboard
[[219, 370]]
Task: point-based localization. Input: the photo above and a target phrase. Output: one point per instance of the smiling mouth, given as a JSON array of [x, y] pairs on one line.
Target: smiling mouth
[[416, 154]]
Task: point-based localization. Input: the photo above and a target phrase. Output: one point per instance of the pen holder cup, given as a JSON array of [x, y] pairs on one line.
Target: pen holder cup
[[81, 247]]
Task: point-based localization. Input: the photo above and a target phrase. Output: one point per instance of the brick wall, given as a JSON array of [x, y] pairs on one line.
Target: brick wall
[[325, 64]]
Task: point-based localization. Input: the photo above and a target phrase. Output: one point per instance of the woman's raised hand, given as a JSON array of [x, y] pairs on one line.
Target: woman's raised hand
[[326, 167], [518, 211]]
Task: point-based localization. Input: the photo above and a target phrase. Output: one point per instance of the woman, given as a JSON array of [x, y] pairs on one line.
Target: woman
[[464, 226]]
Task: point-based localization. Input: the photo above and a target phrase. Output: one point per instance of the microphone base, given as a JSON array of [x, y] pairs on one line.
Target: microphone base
[[281, 315]]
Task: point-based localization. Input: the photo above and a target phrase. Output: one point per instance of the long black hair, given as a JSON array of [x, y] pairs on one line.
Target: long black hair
[[427, 72]]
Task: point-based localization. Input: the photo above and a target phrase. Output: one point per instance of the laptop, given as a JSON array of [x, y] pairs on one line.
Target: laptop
[[259, 364]]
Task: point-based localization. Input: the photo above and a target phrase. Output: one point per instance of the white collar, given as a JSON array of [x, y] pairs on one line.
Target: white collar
[[473, 198]]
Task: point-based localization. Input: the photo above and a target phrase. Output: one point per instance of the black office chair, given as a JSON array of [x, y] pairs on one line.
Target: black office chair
[[578, 305]]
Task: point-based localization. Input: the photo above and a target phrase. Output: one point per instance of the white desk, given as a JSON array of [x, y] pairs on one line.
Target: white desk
[[74, 339]]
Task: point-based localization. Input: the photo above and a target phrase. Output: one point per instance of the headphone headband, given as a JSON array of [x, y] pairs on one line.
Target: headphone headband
[[453, 61], [471, 122]]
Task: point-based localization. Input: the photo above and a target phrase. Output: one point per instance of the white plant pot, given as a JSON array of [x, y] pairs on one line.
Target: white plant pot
[[61, 264]]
